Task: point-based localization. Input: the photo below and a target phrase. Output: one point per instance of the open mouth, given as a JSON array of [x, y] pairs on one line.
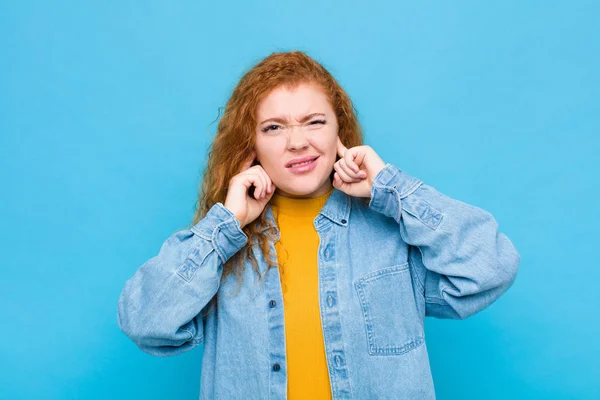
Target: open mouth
[[303, 166], [304, 161]]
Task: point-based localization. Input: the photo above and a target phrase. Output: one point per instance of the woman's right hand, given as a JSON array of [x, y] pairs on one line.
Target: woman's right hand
[[245, 207]]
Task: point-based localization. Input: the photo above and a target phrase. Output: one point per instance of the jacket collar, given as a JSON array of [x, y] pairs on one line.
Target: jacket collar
[[336, 209]]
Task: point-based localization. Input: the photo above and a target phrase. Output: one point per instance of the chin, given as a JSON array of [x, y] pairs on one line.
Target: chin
[[301, 188], [300, 191]]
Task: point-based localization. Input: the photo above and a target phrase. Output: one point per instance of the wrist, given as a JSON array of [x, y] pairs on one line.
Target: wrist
[[240, 221]]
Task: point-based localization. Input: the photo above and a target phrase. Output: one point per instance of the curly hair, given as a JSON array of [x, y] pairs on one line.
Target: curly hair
[[235, 138]]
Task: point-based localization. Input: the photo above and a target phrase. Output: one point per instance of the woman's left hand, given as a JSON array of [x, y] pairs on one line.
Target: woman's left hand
[[356, 169]]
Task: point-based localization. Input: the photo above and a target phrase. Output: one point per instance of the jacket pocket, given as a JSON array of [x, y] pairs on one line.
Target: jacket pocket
[[392, 322]]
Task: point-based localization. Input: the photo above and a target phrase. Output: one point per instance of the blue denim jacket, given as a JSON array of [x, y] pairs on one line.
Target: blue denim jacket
[[411, 252]]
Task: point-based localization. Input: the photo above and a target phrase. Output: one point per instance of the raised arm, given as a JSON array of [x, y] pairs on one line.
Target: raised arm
[[159, 307], [462, 261]]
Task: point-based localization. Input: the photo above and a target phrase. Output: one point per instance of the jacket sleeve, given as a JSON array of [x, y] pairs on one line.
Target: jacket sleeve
[[159, 306], [461, 261]]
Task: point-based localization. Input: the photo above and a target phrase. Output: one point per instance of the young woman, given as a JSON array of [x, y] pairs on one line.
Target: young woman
[[311, 263]]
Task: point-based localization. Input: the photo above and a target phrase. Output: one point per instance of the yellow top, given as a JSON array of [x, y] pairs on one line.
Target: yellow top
[[297, 248]]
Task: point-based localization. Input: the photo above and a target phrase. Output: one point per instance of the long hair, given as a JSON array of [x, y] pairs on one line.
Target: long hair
[[235, 138]]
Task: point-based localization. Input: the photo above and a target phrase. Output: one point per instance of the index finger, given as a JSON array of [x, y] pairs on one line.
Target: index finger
[[341, 149]]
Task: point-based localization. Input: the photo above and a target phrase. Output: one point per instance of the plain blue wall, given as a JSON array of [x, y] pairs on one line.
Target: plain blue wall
[[107, 108]]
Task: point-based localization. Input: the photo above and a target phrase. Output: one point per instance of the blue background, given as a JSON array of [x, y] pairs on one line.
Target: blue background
[[107, 109]]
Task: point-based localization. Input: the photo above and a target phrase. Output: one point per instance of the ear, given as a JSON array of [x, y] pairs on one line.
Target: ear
[[255, 161]]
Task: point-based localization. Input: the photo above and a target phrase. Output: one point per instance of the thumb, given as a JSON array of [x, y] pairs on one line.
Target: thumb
[[337, 181], [341, 149]]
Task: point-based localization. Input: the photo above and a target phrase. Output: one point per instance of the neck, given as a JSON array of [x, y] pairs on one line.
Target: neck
[[299, 206], [327, 187]]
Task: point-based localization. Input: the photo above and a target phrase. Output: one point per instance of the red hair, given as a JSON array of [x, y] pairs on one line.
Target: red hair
[[236, 134]]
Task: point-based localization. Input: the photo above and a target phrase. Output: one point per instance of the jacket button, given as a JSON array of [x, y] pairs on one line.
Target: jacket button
[[276, 367], [272, 303], [330, 300], [344, 221], [328, 252]]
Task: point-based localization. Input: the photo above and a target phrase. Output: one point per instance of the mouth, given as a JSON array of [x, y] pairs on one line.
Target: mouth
[[301, 161], [302, 165]]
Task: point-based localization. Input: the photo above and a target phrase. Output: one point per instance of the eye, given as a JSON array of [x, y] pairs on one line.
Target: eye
[[269, 128], [316, 122]]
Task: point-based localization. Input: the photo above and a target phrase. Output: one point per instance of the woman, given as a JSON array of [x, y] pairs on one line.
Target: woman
[[337, 256]]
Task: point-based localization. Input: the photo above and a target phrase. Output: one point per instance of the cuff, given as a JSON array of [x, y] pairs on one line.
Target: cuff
[[222, 228], [390, 186]]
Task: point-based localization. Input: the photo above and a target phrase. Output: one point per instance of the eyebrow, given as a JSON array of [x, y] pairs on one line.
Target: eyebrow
[[283, 120]]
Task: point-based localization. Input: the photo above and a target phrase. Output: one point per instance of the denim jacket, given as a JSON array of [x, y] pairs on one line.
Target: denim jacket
[[411, 252]]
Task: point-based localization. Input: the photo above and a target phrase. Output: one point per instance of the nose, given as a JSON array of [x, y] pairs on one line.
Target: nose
[[296, 141]]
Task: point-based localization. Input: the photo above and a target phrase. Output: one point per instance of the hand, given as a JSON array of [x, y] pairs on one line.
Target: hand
[[239, 201], [356, 169]]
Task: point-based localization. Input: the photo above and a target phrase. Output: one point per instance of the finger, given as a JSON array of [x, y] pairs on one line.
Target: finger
[[263, 182], [342, 174], [343, 163], [253, 177], [341, 149], [359, 154], [338, 182], [268, 196], [349, 155], [266, 179], [250, 179], [270, 185]]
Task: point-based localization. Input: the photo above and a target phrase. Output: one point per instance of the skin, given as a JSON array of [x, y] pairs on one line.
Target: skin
[[305, 106], [274, 148]]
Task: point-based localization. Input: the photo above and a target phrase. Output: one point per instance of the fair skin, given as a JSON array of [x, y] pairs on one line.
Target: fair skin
[[275, 146], [294, 123]]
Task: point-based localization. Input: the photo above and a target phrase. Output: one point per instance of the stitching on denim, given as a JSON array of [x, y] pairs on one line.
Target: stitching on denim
[[200, 233], [410, 190], [192, 340], [359, 286], [434, 300], [397, 350], [214, 240], [185, 259], [421, 284], [432, 219], [226, 223], [383, 272], [187, 271]]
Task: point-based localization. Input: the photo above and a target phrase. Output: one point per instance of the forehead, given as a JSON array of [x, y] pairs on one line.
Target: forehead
[[303, 99]]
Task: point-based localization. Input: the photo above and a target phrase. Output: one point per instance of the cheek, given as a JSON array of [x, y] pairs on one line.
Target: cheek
[[270, 151], [325, 145]]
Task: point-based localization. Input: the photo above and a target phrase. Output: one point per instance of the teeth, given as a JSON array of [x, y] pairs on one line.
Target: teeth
[[302, 163]]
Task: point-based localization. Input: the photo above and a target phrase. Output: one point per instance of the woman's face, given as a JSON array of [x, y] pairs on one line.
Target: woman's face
[[313, 135]]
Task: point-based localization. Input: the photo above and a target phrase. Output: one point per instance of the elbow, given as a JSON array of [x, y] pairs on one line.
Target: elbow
[[509, 265], [130, 320], [502, 260], [153, 337], [148, 343], [127, 323]]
